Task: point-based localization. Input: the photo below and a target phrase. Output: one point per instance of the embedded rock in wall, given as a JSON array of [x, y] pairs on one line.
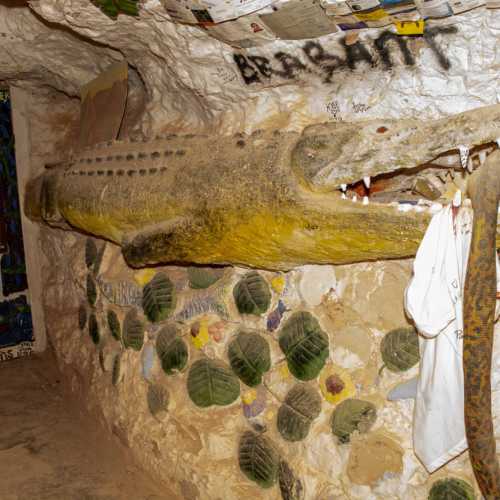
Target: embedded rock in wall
[[372, 457]]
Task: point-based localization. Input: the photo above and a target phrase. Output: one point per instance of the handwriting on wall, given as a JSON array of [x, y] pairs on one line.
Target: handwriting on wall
[[317, 61], [333, 109]]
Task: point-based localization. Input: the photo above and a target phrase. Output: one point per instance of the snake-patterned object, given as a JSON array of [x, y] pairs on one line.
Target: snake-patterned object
[[479, 316]]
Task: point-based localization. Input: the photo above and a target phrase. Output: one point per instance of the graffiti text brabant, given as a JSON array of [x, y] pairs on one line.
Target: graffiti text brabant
[[318, 61]]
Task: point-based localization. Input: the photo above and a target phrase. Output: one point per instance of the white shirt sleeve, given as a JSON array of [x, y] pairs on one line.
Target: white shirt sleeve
[[427, 299]]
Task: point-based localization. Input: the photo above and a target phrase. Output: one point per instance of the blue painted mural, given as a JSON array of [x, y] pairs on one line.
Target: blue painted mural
[[15, 316]]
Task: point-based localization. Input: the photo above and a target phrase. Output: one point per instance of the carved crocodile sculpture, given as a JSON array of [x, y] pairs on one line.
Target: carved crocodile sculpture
[[268, 200], [271, 200]]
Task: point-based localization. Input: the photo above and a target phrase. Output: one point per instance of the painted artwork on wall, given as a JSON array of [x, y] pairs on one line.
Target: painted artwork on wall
[[12, 266], [16, 330]]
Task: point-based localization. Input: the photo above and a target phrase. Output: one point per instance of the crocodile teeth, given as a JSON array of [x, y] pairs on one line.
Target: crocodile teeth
[[464, 155], [366, 181], [404, 207], [482, 157], [457, 199], [470, 166]]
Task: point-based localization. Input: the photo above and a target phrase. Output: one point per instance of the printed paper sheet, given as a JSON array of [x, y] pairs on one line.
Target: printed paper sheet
[[360, 5], [434, 8], [299, 19], [398, 6], [335, 8], [247, 31], [224, 10]]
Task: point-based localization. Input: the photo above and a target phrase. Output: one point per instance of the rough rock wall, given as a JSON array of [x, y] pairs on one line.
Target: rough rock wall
[[35, 54], [197, 448]]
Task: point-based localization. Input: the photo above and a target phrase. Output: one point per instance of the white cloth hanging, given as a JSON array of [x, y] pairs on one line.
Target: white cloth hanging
[[434, 299]]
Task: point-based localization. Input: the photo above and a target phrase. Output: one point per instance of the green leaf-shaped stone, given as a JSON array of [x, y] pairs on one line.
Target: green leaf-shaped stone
[[158, 399], [114, 7], [82, 317], [91, 290], [291, 486], [133, 331], [116, 372], [172, 350], [295, 416], [90, 252], [114, 325], [203, 277], [250, 357], [210, 382], [352, 415], [94, 329], [304, 344], [252, 294], [451, 489], [98, 260], [258, 459], [399, 349], [158, 298]]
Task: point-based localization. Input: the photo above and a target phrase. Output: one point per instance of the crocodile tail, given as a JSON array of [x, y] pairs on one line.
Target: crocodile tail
[[479, 316]]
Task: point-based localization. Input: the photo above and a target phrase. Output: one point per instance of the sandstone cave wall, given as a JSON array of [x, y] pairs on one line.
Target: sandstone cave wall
[[196, 448]]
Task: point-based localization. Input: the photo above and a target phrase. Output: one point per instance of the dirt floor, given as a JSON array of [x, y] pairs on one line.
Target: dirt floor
[[49, 451]]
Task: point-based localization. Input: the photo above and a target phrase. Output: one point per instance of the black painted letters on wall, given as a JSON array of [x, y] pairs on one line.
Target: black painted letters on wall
[[316, 60]]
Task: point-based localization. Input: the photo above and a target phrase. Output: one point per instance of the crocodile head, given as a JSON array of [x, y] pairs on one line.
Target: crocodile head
[[399, 152]]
